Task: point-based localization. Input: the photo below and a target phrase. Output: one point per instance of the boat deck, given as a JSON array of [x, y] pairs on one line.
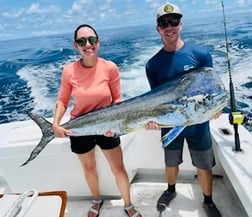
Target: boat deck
[[146, 188]]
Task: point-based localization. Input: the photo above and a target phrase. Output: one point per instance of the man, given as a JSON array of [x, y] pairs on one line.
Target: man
[[174, 59]]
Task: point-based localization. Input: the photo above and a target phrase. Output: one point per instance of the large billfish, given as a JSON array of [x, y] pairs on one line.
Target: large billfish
[[190, 99]]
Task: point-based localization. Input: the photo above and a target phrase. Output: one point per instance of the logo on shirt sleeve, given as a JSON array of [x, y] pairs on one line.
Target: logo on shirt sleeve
[[188, 67]]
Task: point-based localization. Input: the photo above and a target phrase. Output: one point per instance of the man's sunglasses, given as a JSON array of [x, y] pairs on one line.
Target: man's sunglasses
[[163, 23], [83, 41]]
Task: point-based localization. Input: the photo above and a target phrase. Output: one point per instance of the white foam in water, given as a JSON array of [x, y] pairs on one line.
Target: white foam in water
[[41, 79], [241, 73], [133, 77], [37, 78]]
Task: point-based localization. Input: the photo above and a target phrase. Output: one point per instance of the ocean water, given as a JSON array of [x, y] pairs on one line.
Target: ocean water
[[30, 68]]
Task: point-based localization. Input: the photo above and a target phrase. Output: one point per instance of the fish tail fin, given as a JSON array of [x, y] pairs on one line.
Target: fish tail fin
[[47, 135], [44, 125]]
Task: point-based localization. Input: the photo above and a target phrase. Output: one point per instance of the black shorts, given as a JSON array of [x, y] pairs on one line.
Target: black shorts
[[84, 144]]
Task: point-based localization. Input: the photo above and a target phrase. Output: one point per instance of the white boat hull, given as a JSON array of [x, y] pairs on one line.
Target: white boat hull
[[237, 165], [57, 168]]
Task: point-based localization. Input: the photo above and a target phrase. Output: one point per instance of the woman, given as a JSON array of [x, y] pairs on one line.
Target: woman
[[93, 83]]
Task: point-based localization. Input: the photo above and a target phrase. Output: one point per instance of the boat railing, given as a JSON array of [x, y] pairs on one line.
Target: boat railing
[[19, 208]]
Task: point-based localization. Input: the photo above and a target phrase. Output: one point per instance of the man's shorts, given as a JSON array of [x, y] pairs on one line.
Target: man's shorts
[[200, 147], [84, 144]]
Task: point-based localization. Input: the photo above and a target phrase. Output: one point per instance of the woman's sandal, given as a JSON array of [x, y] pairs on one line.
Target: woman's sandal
[[93, 210], [128, 208]]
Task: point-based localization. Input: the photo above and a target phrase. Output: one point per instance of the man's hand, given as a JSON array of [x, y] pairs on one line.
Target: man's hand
[[216, 115]]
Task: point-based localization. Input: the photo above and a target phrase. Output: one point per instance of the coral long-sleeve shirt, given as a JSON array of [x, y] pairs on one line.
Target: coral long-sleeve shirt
[[91, 88]]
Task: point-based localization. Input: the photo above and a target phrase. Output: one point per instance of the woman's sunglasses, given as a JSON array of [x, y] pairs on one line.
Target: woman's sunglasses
[[163, 23], [83, 41]]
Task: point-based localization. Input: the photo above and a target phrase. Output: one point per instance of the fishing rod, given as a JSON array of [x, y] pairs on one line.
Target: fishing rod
[[235, 117]]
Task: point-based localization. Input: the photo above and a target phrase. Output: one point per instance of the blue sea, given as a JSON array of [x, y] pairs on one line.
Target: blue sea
[[30, 68]]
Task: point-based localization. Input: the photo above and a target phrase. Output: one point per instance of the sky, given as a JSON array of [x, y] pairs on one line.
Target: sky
[[29, 18]]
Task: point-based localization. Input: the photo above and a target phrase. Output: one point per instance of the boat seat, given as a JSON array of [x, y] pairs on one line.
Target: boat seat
[[51, 204]]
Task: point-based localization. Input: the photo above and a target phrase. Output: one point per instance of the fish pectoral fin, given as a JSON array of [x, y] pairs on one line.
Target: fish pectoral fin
[[131, 129], [128, 127], [171, 135], [161, 125]]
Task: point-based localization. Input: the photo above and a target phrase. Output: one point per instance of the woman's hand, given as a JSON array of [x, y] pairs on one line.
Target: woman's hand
[[152, 125], [60, 131], [109, 133]]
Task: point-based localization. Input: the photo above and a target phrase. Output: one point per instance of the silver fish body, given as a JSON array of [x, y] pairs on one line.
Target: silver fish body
[[190, 99]]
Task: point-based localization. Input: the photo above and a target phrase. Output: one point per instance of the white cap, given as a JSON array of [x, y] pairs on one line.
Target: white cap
[[168, 8]]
